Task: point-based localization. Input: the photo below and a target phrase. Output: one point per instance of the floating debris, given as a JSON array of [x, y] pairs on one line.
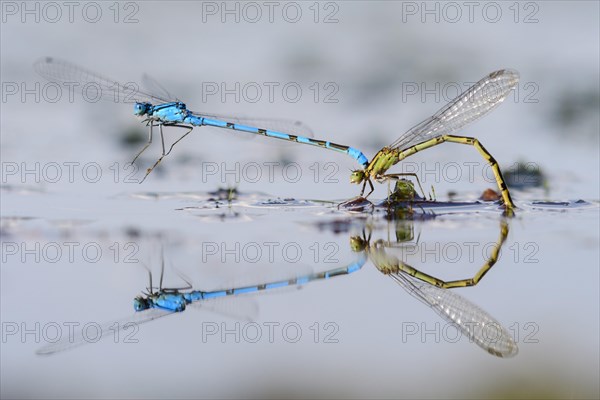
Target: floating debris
[[404, 190], [287, 202], [227, 194], [489, 195], [358, 204], [561, 204]]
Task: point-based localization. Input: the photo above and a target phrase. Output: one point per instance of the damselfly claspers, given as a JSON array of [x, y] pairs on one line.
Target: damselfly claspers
[[165, 110], [471, 105]]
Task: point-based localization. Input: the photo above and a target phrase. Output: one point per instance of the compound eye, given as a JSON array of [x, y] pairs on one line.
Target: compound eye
[[140, 304], [140, 109]]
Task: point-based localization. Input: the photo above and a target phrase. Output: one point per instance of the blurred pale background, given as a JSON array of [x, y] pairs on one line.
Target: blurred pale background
[[367, 71]]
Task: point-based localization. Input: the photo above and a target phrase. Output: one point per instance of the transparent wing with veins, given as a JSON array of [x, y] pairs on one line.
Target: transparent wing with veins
[[92, 84], [122, 331], [474, 322], [289, 126], [153, 86], [474, 103]]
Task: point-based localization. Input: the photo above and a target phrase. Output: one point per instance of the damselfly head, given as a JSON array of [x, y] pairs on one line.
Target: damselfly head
[[358, 244], [357, 176], [141, 108], [141, 303]]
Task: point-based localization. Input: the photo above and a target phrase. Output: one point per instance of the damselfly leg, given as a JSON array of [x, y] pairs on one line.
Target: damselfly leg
[[149, 124], [482, 150], [166, 153]]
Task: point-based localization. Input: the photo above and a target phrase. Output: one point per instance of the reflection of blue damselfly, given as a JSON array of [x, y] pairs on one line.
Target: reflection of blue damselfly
[[165, 110], [160, 302]]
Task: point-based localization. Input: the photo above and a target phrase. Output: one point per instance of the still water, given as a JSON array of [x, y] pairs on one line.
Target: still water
[[80, 234]]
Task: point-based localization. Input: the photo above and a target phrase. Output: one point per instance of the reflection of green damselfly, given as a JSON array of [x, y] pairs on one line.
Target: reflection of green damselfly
[[470, 319], [471, 105]]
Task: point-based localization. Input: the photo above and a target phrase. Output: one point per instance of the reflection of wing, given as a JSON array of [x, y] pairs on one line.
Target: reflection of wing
[[91, 84], [477, 324], [288, 126], [122, 331], [474, 103]]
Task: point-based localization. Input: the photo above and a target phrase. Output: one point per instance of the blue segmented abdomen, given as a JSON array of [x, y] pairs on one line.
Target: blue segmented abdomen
[[177, 301], [358, 156], [352, 152], [199, 295]]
